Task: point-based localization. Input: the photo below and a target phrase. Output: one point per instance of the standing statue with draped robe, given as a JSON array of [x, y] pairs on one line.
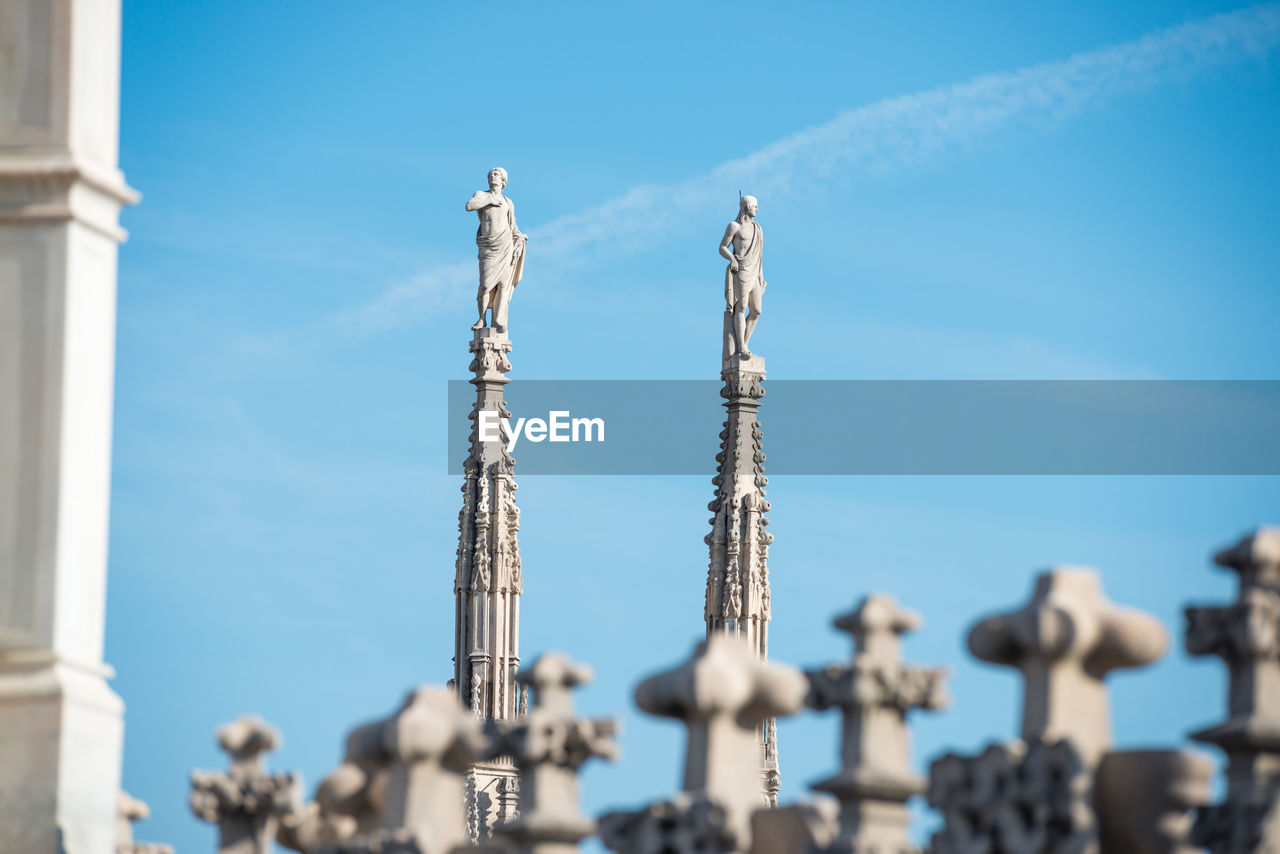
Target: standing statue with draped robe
[[743, 247], [501, 249]]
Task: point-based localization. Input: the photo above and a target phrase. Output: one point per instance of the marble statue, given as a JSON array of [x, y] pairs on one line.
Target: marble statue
[[743, 247], [500, 246]]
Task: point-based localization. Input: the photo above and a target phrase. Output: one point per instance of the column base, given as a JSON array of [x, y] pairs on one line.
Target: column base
[[61, 741]]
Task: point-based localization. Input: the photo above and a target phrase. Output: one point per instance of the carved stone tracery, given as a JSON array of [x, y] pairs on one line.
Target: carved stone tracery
[[738, 600], [488, 584]]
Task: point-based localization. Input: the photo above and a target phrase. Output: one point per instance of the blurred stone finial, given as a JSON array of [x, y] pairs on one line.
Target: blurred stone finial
[[1246, 636], [1064, 642], [401, 782], [721, 694], [245, 802], [549, 747], [874, 693]]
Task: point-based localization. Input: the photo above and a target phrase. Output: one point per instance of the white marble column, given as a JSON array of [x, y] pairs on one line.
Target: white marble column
[[60, 195]]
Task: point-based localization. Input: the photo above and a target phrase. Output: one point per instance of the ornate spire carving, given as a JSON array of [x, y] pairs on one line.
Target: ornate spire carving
[[488, 582], [737, 594]]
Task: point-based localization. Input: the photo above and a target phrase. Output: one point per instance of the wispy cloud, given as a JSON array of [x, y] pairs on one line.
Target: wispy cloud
[[887, 134]]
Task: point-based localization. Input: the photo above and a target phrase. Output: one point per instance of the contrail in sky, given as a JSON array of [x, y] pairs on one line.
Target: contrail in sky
[[888, 133]]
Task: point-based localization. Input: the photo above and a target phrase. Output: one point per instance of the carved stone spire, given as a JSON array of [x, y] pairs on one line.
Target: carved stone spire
[[737, 596], [1246, 635], [874, 693], [488, 583]]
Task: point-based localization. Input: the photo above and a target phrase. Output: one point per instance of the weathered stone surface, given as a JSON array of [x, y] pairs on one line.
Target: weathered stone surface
[[874, 692], [310, 828], [688, 823], [809, 826], [1144, 800], [1014, 799]]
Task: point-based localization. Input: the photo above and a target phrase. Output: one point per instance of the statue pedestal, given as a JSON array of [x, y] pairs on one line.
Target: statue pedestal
[[730, 359], [751, 364]]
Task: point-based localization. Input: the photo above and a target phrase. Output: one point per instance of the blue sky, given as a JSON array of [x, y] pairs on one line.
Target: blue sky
[[950, 191]]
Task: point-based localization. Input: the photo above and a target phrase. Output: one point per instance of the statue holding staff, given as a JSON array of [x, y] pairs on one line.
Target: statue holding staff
[[743, 247], [501, 249]]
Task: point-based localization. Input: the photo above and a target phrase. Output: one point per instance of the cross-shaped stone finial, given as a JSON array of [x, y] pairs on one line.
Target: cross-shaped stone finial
[[399, 789], [1065, 641], [1246, 635], [549, 747], [429, 744], [721, 694], [246, 802], [874, 692]]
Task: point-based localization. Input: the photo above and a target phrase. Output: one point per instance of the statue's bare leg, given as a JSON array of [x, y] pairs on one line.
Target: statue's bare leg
[[754, 312], [482, 303], [502, 300], [740, 333]]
